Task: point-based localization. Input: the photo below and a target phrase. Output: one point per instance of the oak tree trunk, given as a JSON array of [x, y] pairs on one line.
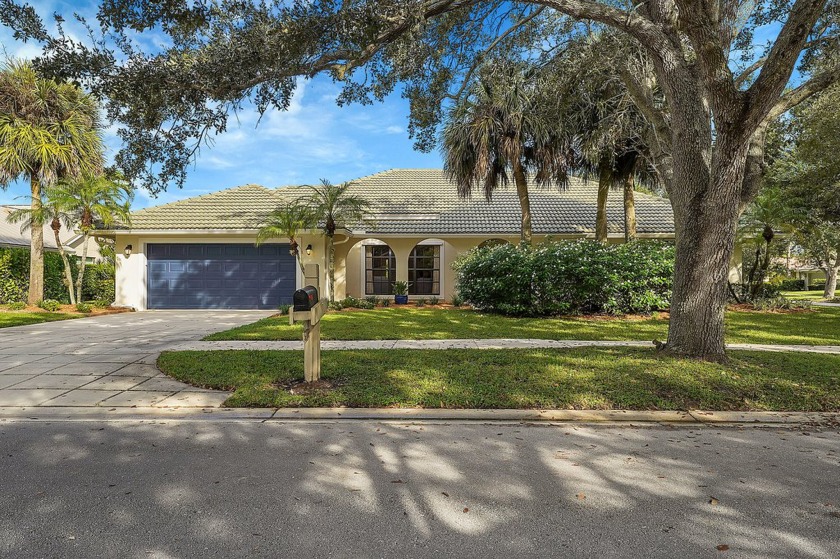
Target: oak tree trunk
[[830, 282], [524, 202], [36, 251], [629, 210], [605, 180]]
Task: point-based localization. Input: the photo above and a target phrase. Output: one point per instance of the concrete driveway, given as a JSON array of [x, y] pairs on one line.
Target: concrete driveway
[[106, 361]]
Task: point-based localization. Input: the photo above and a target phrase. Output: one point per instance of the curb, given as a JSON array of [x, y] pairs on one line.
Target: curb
[[693, 417]]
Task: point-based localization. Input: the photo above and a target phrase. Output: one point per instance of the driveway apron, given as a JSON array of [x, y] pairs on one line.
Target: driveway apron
[[106, 361]]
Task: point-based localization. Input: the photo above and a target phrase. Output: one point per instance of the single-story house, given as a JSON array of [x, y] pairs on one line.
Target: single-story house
[[12, 236], [200, 252]]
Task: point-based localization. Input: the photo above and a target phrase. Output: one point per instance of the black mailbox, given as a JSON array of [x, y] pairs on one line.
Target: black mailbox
[[306, 298]]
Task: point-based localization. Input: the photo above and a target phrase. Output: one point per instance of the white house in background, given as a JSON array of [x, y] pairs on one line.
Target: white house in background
[[12, 236]]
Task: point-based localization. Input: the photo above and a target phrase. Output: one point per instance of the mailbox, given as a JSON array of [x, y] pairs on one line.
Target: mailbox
[[305, 299]]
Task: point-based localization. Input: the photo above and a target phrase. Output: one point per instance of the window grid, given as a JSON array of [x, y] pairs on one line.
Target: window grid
[[424, 270], [380, 270]]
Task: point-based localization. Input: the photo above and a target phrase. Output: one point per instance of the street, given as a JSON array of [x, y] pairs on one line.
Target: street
[[167, 489]]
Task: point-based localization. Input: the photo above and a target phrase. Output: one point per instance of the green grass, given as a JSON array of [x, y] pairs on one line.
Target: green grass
[[22, 318], [800, 295], [818, 327], [591, 378]]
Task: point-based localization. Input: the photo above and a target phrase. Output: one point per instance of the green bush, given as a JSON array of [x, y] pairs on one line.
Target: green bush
[[817, 286], [100, 303], [779, 303], [385, 302], [14, 275], [421, 302], [98, 283], [457, 300], [792, 285], [16, 306], [372, 299], [84, 307], [434, 301], [568, 277], [284, 309], [49, 305]]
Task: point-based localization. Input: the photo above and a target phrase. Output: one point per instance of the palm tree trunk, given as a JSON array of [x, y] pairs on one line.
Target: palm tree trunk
[[629, 209], [605, 180], [68, 272], [524, 202], [36, 251], [79, 279], [331, 267]]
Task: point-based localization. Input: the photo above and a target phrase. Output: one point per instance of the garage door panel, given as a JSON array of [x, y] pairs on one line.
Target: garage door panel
[[219, 276]]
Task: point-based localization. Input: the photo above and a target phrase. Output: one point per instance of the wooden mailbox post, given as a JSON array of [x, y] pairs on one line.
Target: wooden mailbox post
[[311, 337]]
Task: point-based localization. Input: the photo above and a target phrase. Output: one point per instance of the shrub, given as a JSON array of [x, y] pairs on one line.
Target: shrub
[[351, 301], [84, 307], [98, 282], [765, 291], [385, 302], [792, 285], [434, 301], [14, 275], [421, 302], [372, 299], [49, 305], [100, 303], [17, 306], [567, 277], [336, 306], [779, 303], [817, 286], [457, 300], [284, 308]]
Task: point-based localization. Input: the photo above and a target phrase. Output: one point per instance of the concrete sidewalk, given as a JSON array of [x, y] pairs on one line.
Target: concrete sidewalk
[[498, 343]]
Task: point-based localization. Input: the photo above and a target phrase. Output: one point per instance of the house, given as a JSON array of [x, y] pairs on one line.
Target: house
[[11, 236], [200, 252]]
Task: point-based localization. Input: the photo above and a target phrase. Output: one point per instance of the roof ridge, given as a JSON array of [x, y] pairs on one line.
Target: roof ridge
[[200, 196]]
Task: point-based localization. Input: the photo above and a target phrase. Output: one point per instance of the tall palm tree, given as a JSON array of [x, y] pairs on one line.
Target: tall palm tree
[[49, 211], [96, 202], [335, 206], [286, 222], [499, 129], [48, 130], [767, 214]]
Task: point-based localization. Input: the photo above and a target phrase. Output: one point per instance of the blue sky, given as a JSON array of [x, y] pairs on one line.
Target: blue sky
[[314, 139]]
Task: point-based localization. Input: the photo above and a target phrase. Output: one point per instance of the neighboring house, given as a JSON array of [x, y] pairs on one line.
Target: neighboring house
[[12, 236], [200, 252]]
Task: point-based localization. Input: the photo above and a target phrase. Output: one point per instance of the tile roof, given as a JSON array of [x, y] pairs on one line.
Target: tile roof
[[419, 201]]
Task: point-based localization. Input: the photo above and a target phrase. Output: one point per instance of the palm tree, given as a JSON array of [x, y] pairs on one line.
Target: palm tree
[[96, 202], [334, 205], [286, 222], [767, 214], [499, 128], [48, 211], [48, 130]]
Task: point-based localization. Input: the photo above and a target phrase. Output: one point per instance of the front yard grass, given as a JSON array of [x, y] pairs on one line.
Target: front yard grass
[[22, 318], [820, 326], [590, 378]]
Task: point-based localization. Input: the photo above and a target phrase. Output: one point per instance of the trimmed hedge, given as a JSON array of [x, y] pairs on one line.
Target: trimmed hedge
[[792, 285], [14, 275], [568, 277]]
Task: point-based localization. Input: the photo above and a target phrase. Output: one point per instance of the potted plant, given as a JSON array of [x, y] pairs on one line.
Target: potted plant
[[400, 292]]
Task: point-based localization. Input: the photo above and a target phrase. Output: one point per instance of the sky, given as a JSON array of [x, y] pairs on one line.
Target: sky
[[315, 139]]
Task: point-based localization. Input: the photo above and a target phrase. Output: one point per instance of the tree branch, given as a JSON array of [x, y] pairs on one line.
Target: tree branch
[[782, 58], [794, 97]]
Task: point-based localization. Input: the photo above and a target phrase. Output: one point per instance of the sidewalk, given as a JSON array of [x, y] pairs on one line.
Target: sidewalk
[[499, 343]]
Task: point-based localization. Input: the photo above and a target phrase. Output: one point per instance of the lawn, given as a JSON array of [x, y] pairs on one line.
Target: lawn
[[800, 295], [591, 378], [820, 326], [22, 318]]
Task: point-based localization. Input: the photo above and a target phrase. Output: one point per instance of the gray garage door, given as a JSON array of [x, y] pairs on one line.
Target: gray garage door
[[219, 276]]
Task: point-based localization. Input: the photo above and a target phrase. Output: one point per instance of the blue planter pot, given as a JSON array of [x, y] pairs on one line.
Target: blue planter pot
[[401, 299]]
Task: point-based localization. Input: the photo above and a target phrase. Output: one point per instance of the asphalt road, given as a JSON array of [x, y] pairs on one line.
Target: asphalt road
[[366, 489]]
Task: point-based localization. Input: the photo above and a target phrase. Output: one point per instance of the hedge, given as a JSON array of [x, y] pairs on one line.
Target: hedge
[[98, 283], [568, 277]]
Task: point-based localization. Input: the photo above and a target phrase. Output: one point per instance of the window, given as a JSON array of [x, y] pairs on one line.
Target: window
[[380, 269], [424, 270]]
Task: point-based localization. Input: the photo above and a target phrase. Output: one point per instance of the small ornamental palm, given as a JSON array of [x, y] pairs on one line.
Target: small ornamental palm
[[335, 206], [48, 130], [97, 202], [286, 222]]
